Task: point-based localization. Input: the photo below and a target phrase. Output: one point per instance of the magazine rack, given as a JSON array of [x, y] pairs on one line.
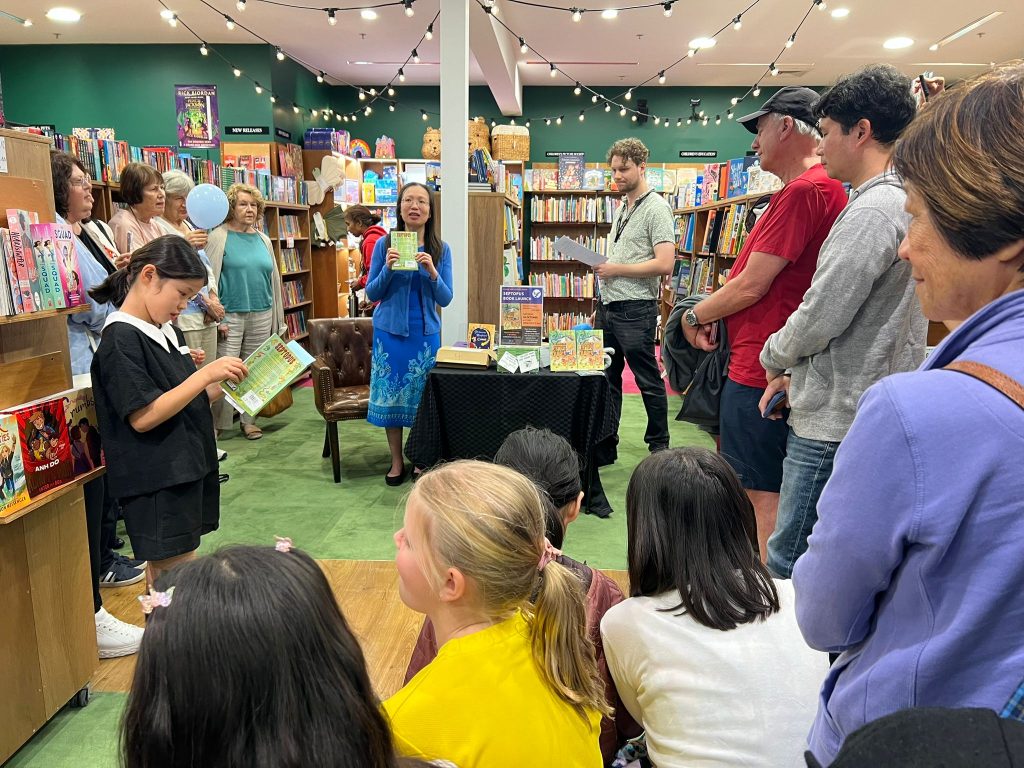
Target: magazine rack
[[48, 634]]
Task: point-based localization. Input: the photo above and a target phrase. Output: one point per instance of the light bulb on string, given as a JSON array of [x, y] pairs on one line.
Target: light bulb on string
[[690, 53], [593, 99], [173, 21], [737, 23], [354, 118], [368, 110], [622, 112], [577, 90], [547, 121], [774, 70], [229, 23], [401, 75], [689, 121], [204, 50], [511, 121], [237, 71], [792, 39], [408, 8], [668, 9], [332, 19], [633, 118], [391, 91], [729, 114], [607, 107], [554, 70], [313, 113], [735, 100], [391, 106], [493, 123], [240, 5], [657, 120], [679, 122], [373, 91], [718, 119], [415, 56], [295, 108], [661, 77], [527, 123], [320, 77], [259, 88], [523, 47], [558, 120], [756, 91], [429, 34], [582, 116], [273, 99], [423, 115], [577, 14], [362, 95], [280, 55], [629, 94]]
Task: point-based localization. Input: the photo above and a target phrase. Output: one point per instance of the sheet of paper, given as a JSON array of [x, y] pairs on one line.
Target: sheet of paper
[[574, 250], [528, 361], [509, 362]]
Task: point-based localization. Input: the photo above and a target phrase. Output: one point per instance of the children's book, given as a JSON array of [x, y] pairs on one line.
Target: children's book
[[593, 179], [407, 245], [13, 285], [67, 265], [480, 336], [548, 179], [19, 222], [272, 367], [46, 263], [83, 430], [571, 168], [13, 492], [563, 350], [45, 445], [590, 350]]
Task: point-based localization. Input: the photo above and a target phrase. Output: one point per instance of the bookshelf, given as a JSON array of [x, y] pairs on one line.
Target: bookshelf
[[287, 226], [582, 215], [49, 632], [708, 240]]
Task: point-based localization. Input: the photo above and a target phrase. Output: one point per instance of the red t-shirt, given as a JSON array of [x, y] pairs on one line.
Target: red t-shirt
[[794, 227]]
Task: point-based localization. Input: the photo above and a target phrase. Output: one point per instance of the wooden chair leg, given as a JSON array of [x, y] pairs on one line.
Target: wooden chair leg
[[327, 439], [332, 430]]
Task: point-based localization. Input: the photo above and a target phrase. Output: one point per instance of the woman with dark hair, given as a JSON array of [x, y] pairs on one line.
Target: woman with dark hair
[[142, 190], [249, 663], [706, 653], [913, 571], [406, 323], [365, 224]]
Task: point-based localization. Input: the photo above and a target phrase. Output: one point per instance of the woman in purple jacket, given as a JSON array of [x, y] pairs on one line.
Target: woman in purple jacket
[[914, 570]]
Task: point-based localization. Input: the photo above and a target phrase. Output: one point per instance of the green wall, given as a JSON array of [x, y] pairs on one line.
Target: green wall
[[130, 88]]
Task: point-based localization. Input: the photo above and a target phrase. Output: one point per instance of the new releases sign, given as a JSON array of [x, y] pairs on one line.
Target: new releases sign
[[698, 153], [196, 113], [246, 130]]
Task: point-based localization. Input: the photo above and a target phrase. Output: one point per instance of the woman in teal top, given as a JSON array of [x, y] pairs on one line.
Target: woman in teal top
[[249, 286]]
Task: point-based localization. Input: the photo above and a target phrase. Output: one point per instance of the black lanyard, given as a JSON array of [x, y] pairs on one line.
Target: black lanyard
[[624, 220]]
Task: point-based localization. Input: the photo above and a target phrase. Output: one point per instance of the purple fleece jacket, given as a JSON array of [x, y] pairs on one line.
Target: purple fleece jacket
[[915, 568]]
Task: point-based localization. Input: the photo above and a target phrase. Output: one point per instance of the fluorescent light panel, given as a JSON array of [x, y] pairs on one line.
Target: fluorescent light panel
[[966, 30]]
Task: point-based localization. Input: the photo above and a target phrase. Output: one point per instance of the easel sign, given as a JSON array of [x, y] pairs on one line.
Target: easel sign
[[522, 315]]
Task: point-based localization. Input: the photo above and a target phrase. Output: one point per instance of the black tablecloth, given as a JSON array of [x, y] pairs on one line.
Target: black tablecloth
[[466, 414]]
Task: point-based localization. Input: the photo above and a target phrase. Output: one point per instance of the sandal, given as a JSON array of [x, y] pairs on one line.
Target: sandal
[[251, 432]]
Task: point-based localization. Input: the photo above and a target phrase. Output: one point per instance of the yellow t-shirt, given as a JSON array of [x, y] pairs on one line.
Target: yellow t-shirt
[[482, 703]]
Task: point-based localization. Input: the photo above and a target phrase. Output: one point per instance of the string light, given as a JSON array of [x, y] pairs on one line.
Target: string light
[[391, 106], [582, 116], [273, 99], [774, 70], [227, 22], [690, 53], [280, 55], [661, 77], [554, 70], [607, 106], [735, 100], [511, 121], [622, 112], [401, 75], [204, 50], [408, 8], [391, 91], [237, 71], [757, 91], [633, 118], [240, 5], [429, 34], [689, 121], [173, 21], [493, 123], [668, 10], [368, 14], [523, 47], [792, 39], [718, 119], [657, 120], [320, 77], [332, 18], [593, 99], [368, 110], [295, 108], [679, 122], [737, 23], [373, 91], [415, 56], [609, 13], [354, 118], [26, 22], [558, 120], [629, 94], [313, 113], [344, 118], [527, 123], [729, 114], [259, 88], [821, 5], [577, 89], [547, 121], [577, 14], [362, 95]]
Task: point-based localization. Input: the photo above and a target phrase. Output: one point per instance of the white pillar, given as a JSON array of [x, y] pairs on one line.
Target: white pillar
[[454, 140]]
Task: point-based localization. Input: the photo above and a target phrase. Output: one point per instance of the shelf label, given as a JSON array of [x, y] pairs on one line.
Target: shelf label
[[246, 130], [281, 133], [698, 153], [559, 154], [3, 155]]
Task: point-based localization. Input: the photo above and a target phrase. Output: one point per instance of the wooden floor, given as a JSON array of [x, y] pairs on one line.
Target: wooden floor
[[367, 591]]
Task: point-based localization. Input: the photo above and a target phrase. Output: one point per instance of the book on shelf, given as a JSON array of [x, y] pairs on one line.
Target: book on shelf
[[290, 260], [45, 444], [293, 293], [511, 268], [13, 489], [571, 168], [272, 367], [564, 321], [296, 322], [543, 247], [593, 180], [46, 266], [83, 430], [561, 285], [572, 209]]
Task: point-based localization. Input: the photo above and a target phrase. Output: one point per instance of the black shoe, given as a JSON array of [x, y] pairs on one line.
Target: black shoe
[[659, 447], [604, 511], [118, 543], [130, 562], [222, 478], [396, 479]]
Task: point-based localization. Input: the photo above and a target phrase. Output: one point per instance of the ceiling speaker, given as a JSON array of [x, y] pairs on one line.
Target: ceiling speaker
[[642, 111]]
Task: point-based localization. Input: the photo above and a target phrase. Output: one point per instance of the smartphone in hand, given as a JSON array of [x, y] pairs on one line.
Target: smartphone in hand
[[774, 404], [713, 333]]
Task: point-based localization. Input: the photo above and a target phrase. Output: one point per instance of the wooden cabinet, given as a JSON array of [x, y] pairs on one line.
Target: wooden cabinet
[[287, 226], [48, 632]]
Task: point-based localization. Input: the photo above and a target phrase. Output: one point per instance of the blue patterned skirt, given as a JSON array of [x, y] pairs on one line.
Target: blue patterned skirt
[[398, 374]]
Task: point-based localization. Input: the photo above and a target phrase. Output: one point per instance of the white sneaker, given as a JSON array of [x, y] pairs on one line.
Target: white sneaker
[[115, 637]]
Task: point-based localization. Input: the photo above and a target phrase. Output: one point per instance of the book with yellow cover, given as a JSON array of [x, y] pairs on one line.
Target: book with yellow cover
[[480, 336], [590, 350], [272, 367], [407, 245], [563, 350]]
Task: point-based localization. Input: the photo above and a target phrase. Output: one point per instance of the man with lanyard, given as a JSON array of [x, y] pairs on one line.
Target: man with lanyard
[[641, 251]]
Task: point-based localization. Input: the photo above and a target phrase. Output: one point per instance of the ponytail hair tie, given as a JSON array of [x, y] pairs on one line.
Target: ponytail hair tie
[[154, 599], [548, 554], [282, 544]]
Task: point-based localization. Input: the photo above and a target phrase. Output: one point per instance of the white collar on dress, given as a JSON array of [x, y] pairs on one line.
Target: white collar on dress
[[163, 335]]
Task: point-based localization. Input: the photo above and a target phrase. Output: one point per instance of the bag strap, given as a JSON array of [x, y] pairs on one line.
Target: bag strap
[[994, 378]]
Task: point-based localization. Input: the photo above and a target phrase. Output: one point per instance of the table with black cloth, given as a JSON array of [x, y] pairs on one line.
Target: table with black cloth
[[467, 414]]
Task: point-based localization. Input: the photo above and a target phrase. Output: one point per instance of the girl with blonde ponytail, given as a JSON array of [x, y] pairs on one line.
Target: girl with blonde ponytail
[[514, 683]]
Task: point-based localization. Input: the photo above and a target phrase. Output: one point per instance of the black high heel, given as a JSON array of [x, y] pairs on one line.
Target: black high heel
[[396, 480]]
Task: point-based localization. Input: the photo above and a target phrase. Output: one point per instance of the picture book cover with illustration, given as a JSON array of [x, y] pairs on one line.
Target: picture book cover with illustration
[[563, 350], [590, 350], [46, 265], [571, 167], [407, 245], [13, 492], [20, 222], [83, 430], [67, 265], [480, 336], [272, 367], [45, 445]]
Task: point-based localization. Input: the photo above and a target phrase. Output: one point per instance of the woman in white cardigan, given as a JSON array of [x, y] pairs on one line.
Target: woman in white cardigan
[[249, 286]]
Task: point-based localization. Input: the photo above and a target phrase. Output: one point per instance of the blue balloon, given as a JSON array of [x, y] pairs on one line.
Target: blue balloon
[[207, 206], [583, 327]]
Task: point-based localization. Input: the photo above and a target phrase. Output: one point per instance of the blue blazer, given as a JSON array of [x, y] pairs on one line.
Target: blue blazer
[[391, 289]]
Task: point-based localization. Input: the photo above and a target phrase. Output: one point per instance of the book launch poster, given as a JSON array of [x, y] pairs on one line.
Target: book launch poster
[[196, 112]]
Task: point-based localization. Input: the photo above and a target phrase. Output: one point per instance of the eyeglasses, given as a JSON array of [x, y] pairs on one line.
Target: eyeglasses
[[81, 183]]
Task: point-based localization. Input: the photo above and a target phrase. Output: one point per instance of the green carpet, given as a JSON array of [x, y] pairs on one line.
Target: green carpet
[[281, 485]]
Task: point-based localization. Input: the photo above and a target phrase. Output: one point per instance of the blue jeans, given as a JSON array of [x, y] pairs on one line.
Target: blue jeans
[[805, 470]]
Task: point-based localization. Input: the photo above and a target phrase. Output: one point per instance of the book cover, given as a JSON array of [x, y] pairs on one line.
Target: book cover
[[563, 350], [45, 445], [22, 268], [13, 283], [711, 176], [19, 222], [723, 181], [737, 179], [571, 168], [698, 193], [593, 179], [407, 245], [590, 350], [521, 315], [480, 336], [13, 491], [548, 179], [67, 265], [83, 430], [46, 265], [272, 367]]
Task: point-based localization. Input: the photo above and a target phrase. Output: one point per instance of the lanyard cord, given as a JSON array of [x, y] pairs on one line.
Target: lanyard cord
[[624, 220]]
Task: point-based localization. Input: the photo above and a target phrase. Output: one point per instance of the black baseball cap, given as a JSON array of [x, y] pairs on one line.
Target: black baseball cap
[[929, 736], [793, 100]]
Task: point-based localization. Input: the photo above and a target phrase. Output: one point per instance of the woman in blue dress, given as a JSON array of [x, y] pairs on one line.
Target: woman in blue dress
[[406, 323]]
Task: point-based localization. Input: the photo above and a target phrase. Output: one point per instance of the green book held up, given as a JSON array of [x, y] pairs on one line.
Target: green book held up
[[272, 367], [407, 245]]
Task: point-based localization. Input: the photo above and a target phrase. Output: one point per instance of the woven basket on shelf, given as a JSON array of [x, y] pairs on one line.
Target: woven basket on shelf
[[510, 142]]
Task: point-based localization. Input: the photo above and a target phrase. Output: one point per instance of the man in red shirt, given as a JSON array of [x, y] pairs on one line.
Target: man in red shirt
[[765, 286]]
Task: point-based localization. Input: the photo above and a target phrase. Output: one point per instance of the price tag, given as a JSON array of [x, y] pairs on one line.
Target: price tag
[[509, 362], [528, 361]]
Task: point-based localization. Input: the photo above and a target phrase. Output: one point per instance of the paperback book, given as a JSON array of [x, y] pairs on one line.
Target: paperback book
[[272, 367], [13, 492], [480, 336], [83, 430], [45, 445], [563, 350], [407, 245]]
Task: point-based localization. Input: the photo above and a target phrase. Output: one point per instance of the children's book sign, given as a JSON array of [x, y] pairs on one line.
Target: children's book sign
[[522, 315], [196, 112], [272, 367]]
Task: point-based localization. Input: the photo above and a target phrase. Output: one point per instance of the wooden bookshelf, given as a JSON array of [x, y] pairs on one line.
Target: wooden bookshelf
[[48, 634], [292, 233]]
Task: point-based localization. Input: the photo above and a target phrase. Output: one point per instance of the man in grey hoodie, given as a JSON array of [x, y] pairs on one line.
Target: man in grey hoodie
[[860, 320]]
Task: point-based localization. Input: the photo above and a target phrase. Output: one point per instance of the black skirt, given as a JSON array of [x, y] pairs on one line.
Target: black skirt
[[170, 521]]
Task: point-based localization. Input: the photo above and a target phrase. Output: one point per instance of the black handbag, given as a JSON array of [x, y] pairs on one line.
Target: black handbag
[[702, 397]]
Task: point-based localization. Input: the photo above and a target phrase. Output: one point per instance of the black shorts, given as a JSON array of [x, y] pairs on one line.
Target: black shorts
[[753, 446], [170, 521]]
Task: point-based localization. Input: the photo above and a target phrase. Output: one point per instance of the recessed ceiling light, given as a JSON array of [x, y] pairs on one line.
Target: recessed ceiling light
[[609, 13], [840, 13], [895, 43], [368, 14], [166, 14], [68, 15], [702, 42]]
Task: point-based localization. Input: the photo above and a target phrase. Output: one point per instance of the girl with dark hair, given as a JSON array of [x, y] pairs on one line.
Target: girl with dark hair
[[154, 406], [706, 652], [365, 224], [552, 464], [406, 323], [248, 662]]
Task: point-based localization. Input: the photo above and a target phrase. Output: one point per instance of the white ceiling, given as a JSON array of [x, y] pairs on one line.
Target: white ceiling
[[598, 52]]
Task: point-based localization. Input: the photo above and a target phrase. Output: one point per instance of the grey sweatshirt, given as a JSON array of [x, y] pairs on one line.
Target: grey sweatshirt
[[858, 322]]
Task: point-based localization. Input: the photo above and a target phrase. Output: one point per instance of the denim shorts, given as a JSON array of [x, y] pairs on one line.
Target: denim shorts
[[753, 446]]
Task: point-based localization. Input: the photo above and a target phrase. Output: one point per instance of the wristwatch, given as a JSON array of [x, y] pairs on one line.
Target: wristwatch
[[691, 318]]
